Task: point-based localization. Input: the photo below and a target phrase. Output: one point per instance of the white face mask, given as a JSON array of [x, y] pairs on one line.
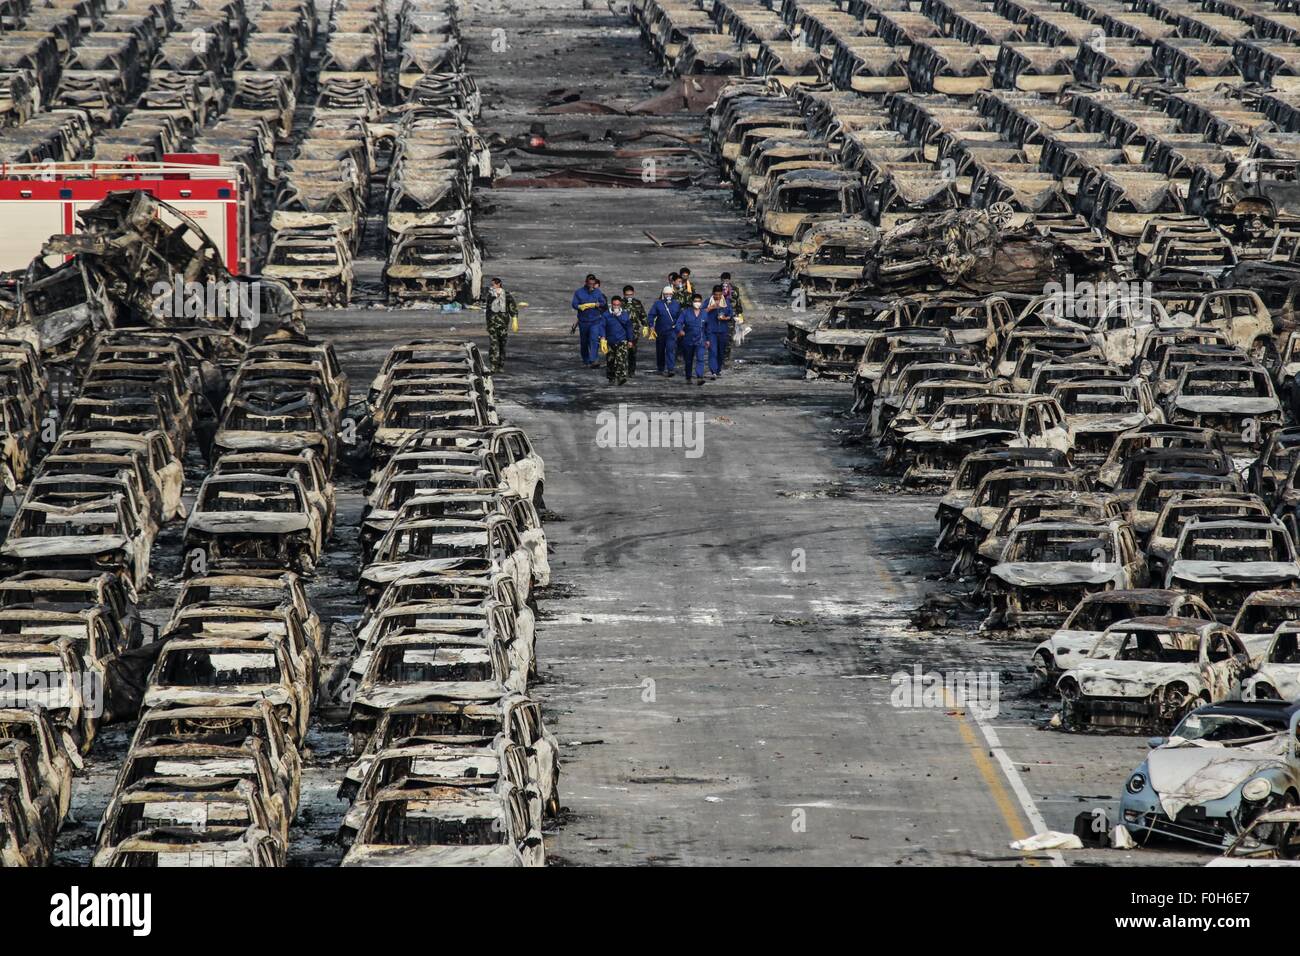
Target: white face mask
[[617, 311], [498, 292]]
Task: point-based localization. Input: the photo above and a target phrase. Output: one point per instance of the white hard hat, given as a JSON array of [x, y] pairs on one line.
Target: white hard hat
[[668, 290]]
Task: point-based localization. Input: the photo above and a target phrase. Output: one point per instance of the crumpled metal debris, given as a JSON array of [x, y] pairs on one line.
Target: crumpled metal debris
[[135, 251], [969, 249]]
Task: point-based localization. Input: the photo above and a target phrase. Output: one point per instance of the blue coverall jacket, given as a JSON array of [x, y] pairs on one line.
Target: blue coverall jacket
[[615, 329], [718, 321], [589, 304], [692, 323], [663, 317]]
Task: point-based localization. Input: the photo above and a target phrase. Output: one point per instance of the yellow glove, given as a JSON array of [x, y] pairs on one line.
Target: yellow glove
[[652, 335], [514, 323], [604, 347]]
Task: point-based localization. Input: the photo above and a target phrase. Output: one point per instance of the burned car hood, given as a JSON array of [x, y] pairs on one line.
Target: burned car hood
[[952, 436], [1225, 405], [227, 696], [499, 855], [252, 522], [1184, 773], [385, 572], [1053, 573], [1110, 678], [1245, 571], [267, 441], [26, 548], [450, 270], [841, 336], [414, 692], [1087, 424]]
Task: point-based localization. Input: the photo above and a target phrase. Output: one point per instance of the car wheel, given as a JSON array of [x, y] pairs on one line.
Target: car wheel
[[1174, 712], [1284, 836], [1070, 706], [1041, 672]]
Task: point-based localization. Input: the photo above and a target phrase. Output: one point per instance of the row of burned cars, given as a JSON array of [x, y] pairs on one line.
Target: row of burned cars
[[151, 77], [212, 774], [76, 558], [434, 155], [1190, 182], [453, 762], [950, 47], [1062, 295]]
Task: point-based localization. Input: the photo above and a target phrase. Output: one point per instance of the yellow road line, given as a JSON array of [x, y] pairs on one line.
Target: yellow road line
[[992, 778]]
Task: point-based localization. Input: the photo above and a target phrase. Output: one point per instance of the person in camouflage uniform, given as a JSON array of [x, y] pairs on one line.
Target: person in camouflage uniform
[[731, 292], [640, 328], [501, 311], [615, 330], [679, 289]]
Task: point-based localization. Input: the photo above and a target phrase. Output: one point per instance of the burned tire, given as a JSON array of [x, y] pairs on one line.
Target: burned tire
[[1284, 836], [1173, 711], [1041, 673], [1070, 717]]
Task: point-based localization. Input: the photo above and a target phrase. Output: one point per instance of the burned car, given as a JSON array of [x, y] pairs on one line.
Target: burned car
[[447, 544], [446, 826], [1223, 768], [1097, 611], [315, 263], [1237, 401], [57, 529], [1224, 560], [434, 264], [188, 846], [1048, 565], [973, 424], [252, 520], [1099, 410], [496, 766], [1277, 674], [797, 196], [223, 672], [514, 717], [1148, 673]]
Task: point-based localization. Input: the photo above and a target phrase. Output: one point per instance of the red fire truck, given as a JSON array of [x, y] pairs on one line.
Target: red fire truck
[[40, 200]]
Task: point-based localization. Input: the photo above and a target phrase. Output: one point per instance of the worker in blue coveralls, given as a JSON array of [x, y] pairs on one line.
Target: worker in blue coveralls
[[690, 333], [663, 322], [718, 319], [616, 333], [589, 303]]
